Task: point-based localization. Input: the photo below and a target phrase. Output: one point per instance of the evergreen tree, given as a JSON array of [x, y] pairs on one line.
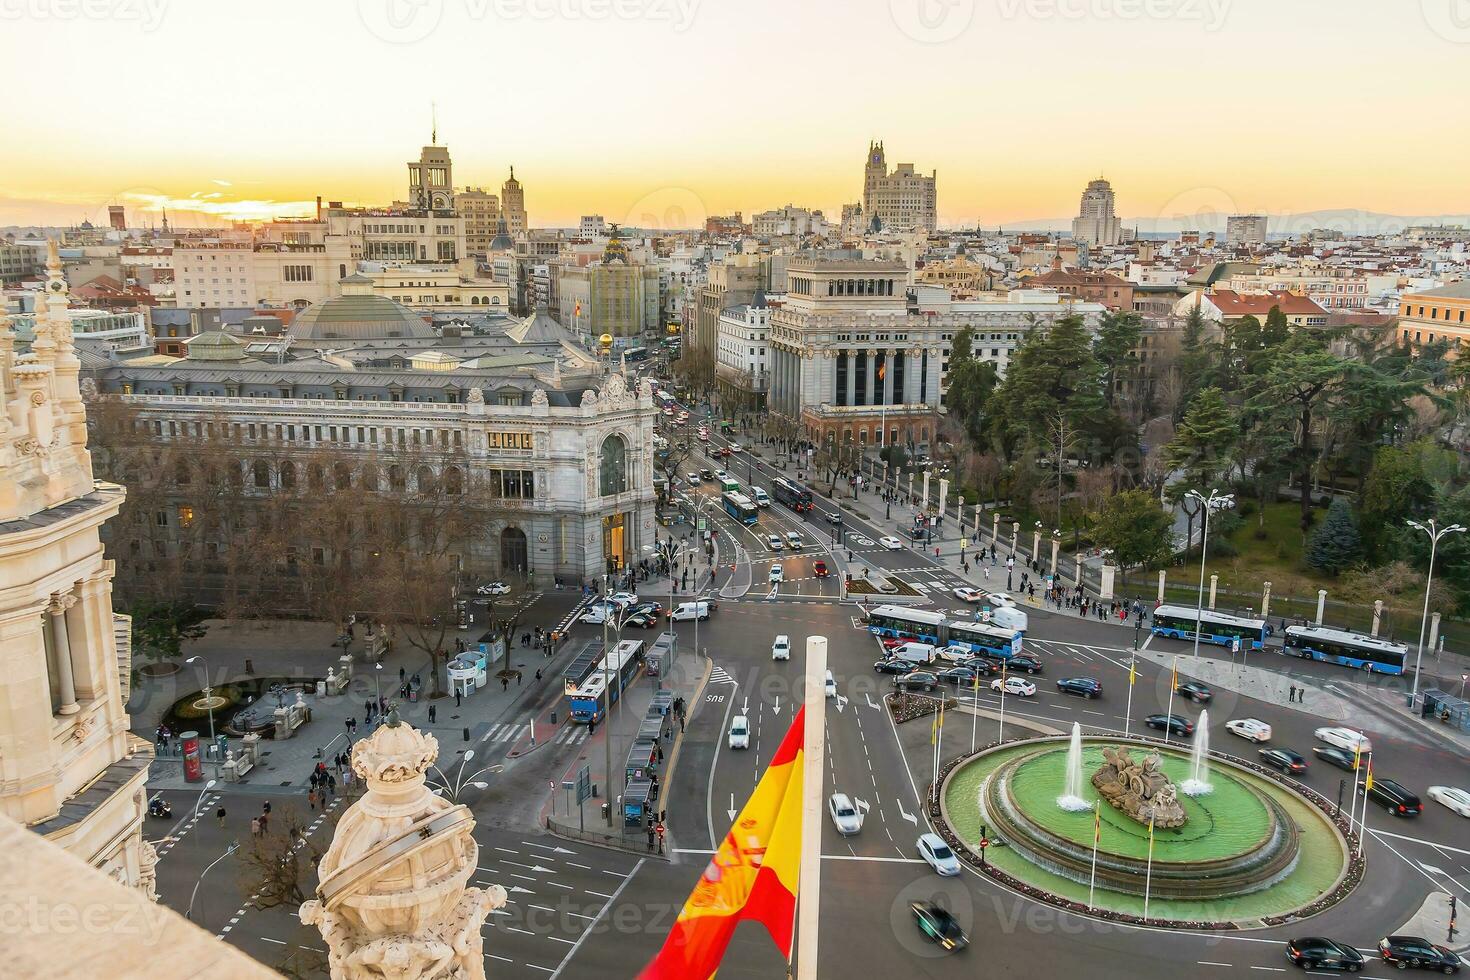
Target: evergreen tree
[[1334, 545], [1135, 527], [1201, 449], [1117, 336]]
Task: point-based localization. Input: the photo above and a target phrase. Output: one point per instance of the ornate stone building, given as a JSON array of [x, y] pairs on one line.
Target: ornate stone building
[[69, 768], [898, 200]]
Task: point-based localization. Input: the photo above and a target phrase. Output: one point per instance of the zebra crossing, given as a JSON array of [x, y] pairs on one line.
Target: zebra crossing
[[567, 734]]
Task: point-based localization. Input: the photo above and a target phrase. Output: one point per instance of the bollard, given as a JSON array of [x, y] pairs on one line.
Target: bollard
[[553, 717], [466, 734]]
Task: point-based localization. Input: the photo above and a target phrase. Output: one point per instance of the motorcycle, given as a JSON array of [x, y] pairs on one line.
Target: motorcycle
[[159, 808]]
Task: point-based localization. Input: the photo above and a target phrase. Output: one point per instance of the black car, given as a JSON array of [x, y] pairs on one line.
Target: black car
[[1173, 724], [1393, 797], [1341, 758], [1285, 760], [1407, 951], [1025, 665], [1195, 691], [1087, 687], [893, 665], [647, 607], [981, 666], [962, 676], [916, 680], [1314, 952], [644, 620], [935, 922], [706, 474]]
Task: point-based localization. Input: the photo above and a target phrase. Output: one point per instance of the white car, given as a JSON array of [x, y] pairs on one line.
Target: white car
[[494, 588], [793, 539], [1453, 797], [1014, 685], [774, 542], [1249, 728], [740, 732], [781, 649], [721, 476], [890, 542], [845, 816], [624, 599], [594, 616], [776, 575], [999, 599], [966, 594], [933, 849], [1344, 738], [734, 447], [829, 686]]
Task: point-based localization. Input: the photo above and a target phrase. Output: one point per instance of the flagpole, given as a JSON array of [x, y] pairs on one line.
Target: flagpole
[[1363, 813], [974, 710], [813, 769], [1096, 833], [939, 749], [1173, 683], [1128, 711], [1353, 800], [1149, 876], [1002, 702]]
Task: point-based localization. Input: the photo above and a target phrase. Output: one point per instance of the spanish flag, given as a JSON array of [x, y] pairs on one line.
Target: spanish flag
[[881, 369], [1368, 780], [1357, 756], [1096, 823], [753, 876], [1174, 678]]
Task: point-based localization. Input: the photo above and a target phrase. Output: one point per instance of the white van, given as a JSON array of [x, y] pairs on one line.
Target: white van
[[692, 610], [761, 498], [919, 653], [1009, 617]]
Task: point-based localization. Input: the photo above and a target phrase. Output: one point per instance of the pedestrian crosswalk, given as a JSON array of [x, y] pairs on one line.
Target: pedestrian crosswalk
[[720, 676], [566, 734]]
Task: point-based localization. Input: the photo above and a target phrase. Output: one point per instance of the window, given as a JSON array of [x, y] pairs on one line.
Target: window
[[614, 465]]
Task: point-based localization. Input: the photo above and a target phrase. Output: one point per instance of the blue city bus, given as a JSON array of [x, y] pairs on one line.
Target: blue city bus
[[740, 507], [584, 702], [1214, 627], [983, 639], [1347, 649], [917, 625]]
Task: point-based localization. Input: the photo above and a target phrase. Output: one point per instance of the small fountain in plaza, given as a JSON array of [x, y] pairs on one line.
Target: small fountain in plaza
[[1071, 798], [1198, 783]]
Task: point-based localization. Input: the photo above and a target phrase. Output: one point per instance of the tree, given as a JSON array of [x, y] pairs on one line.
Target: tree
[[273, 863], [1135, 527], [1200, 450], [1404, 482], [971, 383], [1054, 369], [161, 627], [1195, 357], [1334, 544], [1117, 337]]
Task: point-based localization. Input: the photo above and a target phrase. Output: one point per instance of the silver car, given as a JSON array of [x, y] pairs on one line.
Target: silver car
[[934, 850], [845, 816]]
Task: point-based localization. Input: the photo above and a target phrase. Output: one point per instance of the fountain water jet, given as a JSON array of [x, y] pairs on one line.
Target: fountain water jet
[[1071, 798], [1198, 783]]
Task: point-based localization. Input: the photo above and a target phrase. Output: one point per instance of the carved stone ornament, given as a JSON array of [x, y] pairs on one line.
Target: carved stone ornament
[[1139, 790], [538, 397], [148, 870], [475, 397]]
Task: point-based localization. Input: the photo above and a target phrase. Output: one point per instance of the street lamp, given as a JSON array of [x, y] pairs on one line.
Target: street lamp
[[1215, 501], [1435, 532], [199, 802], [378, 677], [452, 791], [234, 846], [208, 703]]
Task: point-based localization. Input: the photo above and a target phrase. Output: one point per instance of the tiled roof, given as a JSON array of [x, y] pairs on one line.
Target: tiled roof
[[1233, 304]]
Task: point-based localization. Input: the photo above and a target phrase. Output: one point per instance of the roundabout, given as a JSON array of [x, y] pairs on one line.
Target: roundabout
[[1244, 851]]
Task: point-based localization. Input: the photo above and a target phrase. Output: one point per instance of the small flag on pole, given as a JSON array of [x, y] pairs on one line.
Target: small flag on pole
[[1096, 824], [1357, 755], [1174, 678], [1132, 673], [1368, 780]]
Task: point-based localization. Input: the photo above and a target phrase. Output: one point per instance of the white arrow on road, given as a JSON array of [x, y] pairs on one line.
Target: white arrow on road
[[731, 811], [907, 816], [518, 888], [870, 699], [528, 867], [549, 847], [776, 708], [861, 804], [745, 706], [841, 702]]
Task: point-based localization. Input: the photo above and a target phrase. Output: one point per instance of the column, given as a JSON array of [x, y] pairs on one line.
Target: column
[[61, 653], [1265, 599], [1015, 535], [1036, 544], [869, 368], [1214, 581], [1161, 585], [851, 376], [1321, 604], [1055, 544], [1378, 617], [888, 380], [995, 529], [839, 360], [943, 494], [1433, 631]]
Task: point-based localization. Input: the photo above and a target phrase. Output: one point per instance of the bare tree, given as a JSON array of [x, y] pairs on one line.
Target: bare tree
[[276, 865]]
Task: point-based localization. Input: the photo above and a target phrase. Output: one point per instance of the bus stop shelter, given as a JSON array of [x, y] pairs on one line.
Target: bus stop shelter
[[1446, 708], [638, 801], [640, 763]]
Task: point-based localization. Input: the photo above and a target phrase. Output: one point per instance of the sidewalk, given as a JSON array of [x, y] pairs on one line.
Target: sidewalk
[[303, 652], [563, 816]]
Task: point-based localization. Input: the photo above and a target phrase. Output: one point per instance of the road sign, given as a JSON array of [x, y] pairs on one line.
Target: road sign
[[984, 843], [584, 783], [1235, 645]]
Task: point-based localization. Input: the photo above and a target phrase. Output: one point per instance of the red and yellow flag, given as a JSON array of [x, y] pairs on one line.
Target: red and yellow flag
[[1368, 780], [753, 876], [1096, 823]]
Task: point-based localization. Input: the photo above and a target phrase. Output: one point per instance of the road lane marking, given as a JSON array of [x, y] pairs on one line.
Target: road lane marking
[[593, 924]]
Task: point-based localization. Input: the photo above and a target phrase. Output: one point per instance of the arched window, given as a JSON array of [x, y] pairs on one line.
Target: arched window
[[453, 481], [425, 480], [614, 465], [370, 479], [396, 480], [315, 478], [262, 475], [342, 476], [494, 300], [288, 475], [181, 472]]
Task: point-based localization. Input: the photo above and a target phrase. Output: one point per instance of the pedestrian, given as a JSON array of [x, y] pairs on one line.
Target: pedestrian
[[254, 826], [265, 808], [456, 697], [650, 838], [1291, 694], [402, 674], [265, 822], [311, 799], [518, 678], [219, 816], [505, 683], [348, 725], [331, 785], [538, 673], [432, 714]]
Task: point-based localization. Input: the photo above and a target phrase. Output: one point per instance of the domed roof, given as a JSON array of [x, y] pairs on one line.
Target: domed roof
[[502, 241], [358, 317], [216, 345]]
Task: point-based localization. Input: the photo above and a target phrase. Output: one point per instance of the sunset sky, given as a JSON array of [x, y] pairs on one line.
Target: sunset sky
[[658, 112]]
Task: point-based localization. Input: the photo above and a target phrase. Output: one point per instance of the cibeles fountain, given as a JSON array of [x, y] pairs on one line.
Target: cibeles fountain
[[392, 903], [1139, 827]]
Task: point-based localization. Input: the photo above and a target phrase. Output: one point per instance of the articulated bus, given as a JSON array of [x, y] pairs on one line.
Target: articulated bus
[[789, 493], [740, 507], [1214, 627], [584, 702], [983, 638], [1348, 649], [633, 354]]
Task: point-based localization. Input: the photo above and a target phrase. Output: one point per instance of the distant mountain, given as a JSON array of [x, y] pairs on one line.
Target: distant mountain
[[1348, 220]]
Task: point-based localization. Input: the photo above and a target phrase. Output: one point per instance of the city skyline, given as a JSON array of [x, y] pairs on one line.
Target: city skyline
[[1022, 136]]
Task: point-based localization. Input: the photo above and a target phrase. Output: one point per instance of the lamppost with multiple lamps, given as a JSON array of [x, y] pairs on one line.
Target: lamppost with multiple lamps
[[1435, 532], [209, 704], [1215, 501]]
